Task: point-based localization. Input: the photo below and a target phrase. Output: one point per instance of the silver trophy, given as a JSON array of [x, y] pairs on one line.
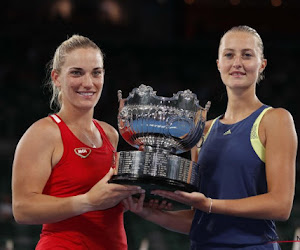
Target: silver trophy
[[160, 127]]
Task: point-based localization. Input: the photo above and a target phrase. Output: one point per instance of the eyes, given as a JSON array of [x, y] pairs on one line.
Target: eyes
[[98, 72], [80, 72], [244, 55]]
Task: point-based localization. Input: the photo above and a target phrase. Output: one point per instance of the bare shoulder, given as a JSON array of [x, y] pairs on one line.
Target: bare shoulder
[[38, 143], [110, 131], [45, 123], [279, 122], [277, 116], [44, 130]]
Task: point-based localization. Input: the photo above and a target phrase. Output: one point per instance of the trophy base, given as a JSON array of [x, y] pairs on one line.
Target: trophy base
[[150, 183]]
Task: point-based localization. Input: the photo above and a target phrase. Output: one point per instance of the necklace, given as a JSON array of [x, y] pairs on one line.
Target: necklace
[[93, 145], [88, 138], [81, 131]]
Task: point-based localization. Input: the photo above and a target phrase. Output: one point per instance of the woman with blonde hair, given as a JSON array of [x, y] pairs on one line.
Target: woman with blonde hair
[[247, 161], [63, 162]]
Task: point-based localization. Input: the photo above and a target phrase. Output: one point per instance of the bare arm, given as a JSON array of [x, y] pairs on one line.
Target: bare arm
[[34, 158], [178, 221], [277, 132]]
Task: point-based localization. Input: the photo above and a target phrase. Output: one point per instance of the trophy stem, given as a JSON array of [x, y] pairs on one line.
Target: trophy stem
[[163, 150]]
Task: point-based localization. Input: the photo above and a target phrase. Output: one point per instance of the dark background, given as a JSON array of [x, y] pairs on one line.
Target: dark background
[[170, 45]]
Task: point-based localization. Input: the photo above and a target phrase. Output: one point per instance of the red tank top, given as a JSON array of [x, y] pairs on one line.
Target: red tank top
[[79, 169]]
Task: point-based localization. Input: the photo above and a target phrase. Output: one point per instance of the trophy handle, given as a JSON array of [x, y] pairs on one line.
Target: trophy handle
[[207, 107]]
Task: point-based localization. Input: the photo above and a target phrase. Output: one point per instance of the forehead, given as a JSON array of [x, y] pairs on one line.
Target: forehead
[[83, 57], [237, 40]]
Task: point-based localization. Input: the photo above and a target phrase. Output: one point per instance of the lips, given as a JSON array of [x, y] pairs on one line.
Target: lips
[[237, 73]]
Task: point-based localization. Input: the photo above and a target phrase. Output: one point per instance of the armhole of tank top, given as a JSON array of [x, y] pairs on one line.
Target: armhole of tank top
[[206, 135], [257, 146], [103, 134], [58, 120]]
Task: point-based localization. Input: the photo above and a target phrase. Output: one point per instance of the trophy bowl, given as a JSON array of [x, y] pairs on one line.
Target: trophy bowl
[[160, 127]]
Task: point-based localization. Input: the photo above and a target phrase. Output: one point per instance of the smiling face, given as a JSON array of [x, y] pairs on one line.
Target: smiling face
[[81, 78], [240, 60]]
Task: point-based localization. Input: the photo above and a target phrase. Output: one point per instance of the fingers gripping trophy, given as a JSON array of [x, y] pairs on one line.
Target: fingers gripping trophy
[[160, 127]]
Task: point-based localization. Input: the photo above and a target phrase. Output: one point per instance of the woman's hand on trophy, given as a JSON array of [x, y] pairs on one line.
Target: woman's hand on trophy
[[194, 199], [105, 195], [141, 147], [159, 204], [134, 204], [144, 209]]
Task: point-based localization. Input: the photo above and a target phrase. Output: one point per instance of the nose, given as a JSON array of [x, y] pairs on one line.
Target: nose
[[87, 81], [237, 63]]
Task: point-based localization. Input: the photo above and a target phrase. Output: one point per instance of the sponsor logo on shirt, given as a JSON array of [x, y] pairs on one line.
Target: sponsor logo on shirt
[[228, 132], [82, 152]]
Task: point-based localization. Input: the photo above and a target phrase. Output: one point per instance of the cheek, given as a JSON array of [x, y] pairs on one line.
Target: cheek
[[253, 65], [224, 64], [253, 68], [100, 82], [224, 68], [74, 83], [69, 85]]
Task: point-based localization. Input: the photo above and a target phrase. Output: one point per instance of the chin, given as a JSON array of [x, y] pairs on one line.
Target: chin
[[239, 83], [85, 106]]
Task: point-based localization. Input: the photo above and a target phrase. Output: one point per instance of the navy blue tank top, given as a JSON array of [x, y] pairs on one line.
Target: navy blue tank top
[[231, 169]]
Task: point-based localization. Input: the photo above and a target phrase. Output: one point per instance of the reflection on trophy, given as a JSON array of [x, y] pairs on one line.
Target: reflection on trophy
[[160, 127]]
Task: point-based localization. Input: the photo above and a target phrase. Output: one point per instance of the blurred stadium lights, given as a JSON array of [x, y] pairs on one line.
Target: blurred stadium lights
[[235, 2], [189, 1], [258, 3], [276, 3]]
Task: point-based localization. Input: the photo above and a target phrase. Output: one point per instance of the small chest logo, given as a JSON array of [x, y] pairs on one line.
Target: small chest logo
[[228, 132], [82, 152]]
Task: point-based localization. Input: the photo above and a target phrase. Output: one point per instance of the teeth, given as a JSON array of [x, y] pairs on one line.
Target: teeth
[[85, 93]]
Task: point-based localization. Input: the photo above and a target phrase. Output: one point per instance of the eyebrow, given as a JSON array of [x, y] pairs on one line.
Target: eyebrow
[[77, 68], [242, 49]]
